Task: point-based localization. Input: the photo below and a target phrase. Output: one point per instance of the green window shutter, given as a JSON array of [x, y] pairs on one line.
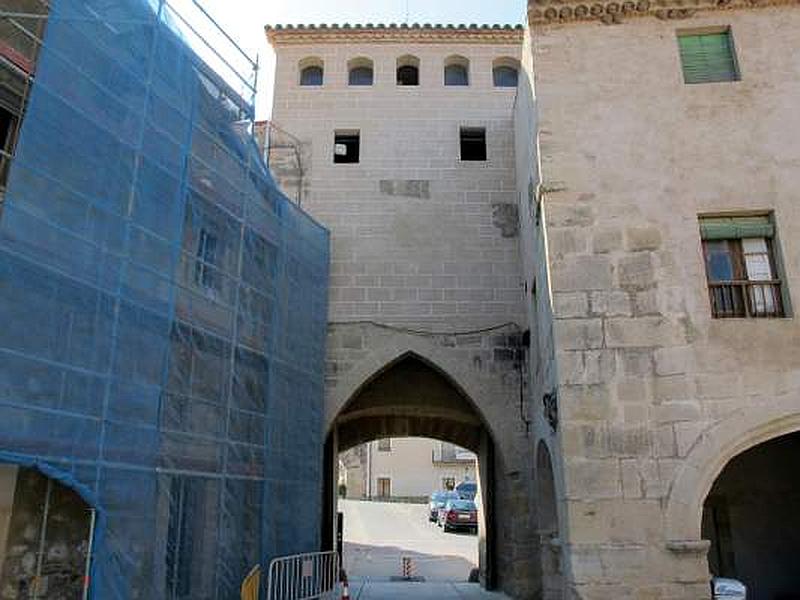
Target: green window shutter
[[707, 57], [733, 228]]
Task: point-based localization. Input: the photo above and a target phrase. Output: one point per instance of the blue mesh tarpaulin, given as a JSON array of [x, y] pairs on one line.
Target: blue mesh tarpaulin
[[163, 310]]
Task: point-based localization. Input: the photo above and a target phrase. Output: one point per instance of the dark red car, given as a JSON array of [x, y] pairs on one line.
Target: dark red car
[[459, 514]]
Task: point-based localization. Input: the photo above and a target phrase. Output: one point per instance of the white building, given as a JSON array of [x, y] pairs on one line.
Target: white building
[[404, 468]]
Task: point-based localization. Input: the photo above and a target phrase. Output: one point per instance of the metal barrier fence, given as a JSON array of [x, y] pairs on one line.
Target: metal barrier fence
[[303, 576]]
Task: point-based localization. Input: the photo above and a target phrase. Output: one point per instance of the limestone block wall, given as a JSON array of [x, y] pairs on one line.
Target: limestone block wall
[[425, 254], [655, 395]]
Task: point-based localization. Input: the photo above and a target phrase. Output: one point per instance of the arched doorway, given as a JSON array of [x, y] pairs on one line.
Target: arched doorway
[[411, 397], [752, 521], [46, 532], [547, 525]]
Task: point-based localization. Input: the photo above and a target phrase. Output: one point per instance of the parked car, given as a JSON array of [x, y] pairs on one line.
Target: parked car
[[467, 490], [459, 514], [727, 589], [437, 501]]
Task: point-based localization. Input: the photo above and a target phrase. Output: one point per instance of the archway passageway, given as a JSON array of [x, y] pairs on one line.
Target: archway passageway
[[411, 398], [752, 520], [46, 534]]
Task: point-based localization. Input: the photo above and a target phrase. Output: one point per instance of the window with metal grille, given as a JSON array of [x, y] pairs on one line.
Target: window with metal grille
[[385, 445], [741, 267], [473, 143], [708, 57]]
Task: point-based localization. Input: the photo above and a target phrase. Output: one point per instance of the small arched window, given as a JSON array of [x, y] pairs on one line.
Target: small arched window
[[311, 71], [359, 72], [505, 72], [408, 70], [456, 71]]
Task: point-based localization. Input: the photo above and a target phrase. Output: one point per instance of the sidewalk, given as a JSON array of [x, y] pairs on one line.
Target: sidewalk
[[365, 589]]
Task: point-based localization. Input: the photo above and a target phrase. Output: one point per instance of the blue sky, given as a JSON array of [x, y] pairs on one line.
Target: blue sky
[[245, 20]]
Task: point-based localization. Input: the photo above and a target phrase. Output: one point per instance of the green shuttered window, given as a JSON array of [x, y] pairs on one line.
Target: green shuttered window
[[707, 57]]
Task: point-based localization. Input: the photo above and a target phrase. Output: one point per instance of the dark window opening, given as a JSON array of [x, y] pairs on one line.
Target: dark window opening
[[311, 76], [741, 269], [385, 444], [505, 77], [204, 273], [346, 147], [360, 76], [473, 143], [456, 75], [408, 75]]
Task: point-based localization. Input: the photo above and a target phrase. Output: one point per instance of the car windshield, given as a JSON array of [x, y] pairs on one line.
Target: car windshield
[[461, 504]]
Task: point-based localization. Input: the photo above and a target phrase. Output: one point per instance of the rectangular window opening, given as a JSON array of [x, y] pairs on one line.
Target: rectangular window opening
[[385, 445], [708, 57], [741, 267], [473, 143], [346, 146], [204, 274]]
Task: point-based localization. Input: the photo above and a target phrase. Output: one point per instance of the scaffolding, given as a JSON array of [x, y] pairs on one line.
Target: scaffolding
[[164, 305]]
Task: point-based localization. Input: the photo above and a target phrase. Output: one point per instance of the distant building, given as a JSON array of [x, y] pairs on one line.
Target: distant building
[[408, 468]]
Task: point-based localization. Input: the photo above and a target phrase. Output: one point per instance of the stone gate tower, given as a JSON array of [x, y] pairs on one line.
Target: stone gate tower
[[400, 140]]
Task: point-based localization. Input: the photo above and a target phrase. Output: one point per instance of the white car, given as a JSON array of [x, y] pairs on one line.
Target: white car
[[727, 589]]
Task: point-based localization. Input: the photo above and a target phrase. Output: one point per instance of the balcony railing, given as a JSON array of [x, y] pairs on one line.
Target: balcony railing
[[754, 299], [452, 455]]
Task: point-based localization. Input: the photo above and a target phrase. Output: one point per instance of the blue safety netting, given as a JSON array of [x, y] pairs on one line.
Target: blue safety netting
[[163, 310]]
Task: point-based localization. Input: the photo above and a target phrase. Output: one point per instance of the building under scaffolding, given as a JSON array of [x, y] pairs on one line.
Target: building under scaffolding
[[163, 309]]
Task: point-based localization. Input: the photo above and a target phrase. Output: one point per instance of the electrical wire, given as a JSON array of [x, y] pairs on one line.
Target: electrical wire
[[427, 332]]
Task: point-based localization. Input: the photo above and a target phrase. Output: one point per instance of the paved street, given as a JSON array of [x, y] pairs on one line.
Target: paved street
[[378, 534], [369, 590]]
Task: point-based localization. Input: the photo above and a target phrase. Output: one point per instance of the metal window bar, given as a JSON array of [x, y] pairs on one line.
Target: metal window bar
[[308, 576], [741, 299]]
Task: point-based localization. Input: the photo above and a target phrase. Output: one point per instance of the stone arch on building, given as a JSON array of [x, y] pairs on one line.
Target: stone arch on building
[[751, 522], [547, 525], [411, 395], [713, 450]]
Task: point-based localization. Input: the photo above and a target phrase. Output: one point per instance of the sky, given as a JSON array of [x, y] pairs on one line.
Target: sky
[[244, 21]]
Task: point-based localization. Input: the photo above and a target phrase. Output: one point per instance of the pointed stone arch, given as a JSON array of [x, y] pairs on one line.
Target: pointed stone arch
[[412, 391]]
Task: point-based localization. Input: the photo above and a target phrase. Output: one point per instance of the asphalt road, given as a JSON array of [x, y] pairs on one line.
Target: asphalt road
[[378, 534]]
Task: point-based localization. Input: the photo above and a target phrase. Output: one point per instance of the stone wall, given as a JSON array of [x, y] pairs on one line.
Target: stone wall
[[654, 395]]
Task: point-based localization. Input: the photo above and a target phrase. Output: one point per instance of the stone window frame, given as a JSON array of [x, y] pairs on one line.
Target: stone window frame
[[504, 62], [457, 60], [406, 61], [359, 63], [310, 62]]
